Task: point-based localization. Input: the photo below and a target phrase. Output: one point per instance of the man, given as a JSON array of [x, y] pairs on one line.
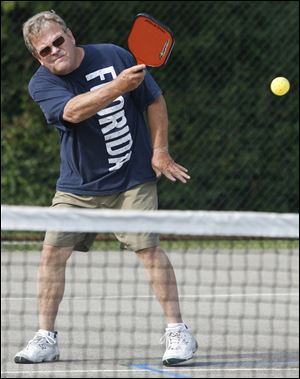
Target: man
[[96, 96]]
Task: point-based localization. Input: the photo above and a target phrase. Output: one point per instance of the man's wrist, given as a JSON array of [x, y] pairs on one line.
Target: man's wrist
[[162, 149]]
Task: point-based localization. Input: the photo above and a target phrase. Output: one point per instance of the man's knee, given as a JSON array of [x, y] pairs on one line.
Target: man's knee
[[55, 256], [154, 257], [150, 250]]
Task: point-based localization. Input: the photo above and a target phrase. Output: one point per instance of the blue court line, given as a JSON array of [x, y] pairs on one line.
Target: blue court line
[[164, 372]]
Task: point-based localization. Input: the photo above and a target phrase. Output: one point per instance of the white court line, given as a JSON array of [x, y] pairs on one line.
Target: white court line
[[142, 370], [78, 298]]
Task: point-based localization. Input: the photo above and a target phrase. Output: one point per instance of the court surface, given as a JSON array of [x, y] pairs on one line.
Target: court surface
[[108, 309]]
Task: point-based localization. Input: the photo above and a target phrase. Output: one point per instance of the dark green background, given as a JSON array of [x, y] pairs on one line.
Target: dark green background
[[239, 141]]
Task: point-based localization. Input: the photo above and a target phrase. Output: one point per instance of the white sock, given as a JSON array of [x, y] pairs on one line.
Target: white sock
[[47, 333], [176, 325]]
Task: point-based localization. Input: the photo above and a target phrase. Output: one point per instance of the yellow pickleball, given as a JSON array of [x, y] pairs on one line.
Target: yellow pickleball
[[280, 86]]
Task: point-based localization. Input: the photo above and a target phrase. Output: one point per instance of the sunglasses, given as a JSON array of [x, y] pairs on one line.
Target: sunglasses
[[56, 43]]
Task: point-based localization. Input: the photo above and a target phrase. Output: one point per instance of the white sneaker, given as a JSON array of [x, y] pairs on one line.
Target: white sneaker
[[42, 348], [180, 345]]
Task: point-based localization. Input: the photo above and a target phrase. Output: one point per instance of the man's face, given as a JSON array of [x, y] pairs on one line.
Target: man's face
[[56, 49]]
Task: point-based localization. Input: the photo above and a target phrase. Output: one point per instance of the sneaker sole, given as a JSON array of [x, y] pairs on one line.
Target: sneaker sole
[[23, 360], [176, 361]]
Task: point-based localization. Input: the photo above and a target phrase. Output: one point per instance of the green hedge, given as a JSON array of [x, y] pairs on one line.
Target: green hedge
[[238, 140]]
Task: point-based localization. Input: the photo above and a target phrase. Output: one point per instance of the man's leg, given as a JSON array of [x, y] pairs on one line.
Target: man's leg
[[51, 283], [163, 281], [180, 344]]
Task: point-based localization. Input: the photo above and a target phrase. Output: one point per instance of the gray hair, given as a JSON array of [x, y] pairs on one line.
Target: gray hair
[[33, 27]]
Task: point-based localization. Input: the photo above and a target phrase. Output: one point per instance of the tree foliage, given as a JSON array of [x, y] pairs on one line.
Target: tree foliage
[[238, 140]]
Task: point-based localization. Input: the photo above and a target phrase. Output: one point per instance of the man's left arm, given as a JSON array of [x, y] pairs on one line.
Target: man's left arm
[[162, 162]]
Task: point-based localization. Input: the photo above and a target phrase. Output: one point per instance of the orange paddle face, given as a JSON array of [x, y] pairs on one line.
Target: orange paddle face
[[149, 41]]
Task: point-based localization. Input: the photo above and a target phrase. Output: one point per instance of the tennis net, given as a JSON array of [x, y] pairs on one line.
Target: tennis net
[[238, 281]]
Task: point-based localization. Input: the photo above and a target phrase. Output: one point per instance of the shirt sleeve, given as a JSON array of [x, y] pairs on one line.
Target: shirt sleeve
[[51, 95], [146, 93]]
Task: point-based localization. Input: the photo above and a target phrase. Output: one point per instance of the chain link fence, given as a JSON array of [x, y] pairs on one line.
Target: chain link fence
[[239, 141]]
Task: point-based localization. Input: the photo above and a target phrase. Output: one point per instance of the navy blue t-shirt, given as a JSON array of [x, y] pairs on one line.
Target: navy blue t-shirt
[[109, 152]]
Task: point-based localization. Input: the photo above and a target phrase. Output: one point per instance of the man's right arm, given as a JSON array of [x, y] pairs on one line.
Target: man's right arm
[[86, 105]]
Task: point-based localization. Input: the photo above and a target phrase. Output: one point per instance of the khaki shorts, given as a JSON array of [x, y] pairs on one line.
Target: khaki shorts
[[141, 197]]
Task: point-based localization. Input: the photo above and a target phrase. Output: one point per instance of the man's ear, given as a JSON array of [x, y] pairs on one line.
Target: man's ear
[[70, 34], [36, 56]]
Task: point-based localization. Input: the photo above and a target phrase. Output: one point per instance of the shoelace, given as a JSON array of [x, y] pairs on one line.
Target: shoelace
[[172, 339], [39, 338]]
